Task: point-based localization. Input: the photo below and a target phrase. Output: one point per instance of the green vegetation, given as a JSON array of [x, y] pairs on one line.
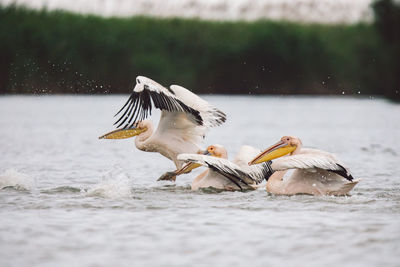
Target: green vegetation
[[387, 22], [60, 52]]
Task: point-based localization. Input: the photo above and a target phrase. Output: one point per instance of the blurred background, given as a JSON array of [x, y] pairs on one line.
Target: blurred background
[[211, 46]]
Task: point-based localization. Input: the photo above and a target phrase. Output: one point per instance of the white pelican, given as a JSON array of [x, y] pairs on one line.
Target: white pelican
[[185, 119], [224, 174], [315, 172]]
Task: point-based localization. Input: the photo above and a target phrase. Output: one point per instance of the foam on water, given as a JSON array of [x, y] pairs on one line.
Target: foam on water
[[114, 184], [17, 180]]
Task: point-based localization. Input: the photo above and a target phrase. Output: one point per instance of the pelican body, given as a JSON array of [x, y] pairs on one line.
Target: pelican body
[[304, 170], [185, 119], [223, 174]]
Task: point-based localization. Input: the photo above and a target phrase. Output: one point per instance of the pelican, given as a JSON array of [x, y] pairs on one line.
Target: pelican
[[185, 119], [223, 174], [314, 172]]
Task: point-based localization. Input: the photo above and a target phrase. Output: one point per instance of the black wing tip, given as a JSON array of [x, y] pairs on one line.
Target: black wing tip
[[137, 108], [126, 103], [267, 170], [343, 172], [171, 91], [195, 113], [230, 177], [197, 116], [219, 117]]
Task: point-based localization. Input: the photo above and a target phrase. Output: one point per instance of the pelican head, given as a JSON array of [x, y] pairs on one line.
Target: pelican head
[[287, 145], [217, 151], [139, 128]]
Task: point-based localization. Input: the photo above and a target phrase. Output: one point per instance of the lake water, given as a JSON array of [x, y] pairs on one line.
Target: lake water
[[70, 199]]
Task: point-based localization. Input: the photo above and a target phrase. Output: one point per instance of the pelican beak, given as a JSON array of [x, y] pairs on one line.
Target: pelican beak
[[188, 167], [123, 133], [275, 151]]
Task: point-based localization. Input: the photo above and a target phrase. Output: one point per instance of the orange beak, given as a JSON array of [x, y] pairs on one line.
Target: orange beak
[[275, 151], [188, 167]]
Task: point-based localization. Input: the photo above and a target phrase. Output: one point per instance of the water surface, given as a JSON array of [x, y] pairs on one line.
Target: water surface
[[69, 199]]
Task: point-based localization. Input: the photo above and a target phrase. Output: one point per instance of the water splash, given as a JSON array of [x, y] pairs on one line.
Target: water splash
[[17, 180], [114, 184]]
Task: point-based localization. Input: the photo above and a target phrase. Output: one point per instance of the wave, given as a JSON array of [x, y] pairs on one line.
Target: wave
[[16, 180], [62, 189], [114, 184]]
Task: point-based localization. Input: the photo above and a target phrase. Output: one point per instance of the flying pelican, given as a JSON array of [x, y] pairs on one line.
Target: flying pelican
[[315, 172], [185, 119], [223, 174]]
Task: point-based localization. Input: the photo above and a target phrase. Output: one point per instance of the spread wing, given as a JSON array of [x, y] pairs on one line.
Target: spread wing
[[237, 174], [312, 159], [179, 128], [148, 94]]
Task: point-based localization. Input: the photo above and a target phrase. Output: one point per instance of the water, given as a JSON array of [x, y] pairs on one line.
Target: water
[[69, 199]]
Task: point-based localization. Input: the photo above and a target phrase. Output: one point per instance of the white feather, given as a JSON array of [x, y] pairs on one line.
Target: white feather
[[246, 154], [154, 86], [307, 159], [179, 132], [211, 116]]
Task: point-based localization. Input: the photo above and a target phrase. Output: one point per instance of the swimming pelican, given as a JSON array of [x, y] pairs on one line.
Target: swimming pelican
[[224, 174], [315, 172], [185, 119]]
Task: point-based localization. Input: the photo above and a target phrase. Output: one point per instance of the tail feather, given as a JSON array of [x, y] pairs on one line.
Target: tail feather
[[344, 189]]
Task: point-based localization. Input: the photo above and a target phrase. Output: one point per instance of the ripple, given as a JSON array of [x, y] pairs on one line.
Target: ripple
[[63, 189], [376, 148]]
